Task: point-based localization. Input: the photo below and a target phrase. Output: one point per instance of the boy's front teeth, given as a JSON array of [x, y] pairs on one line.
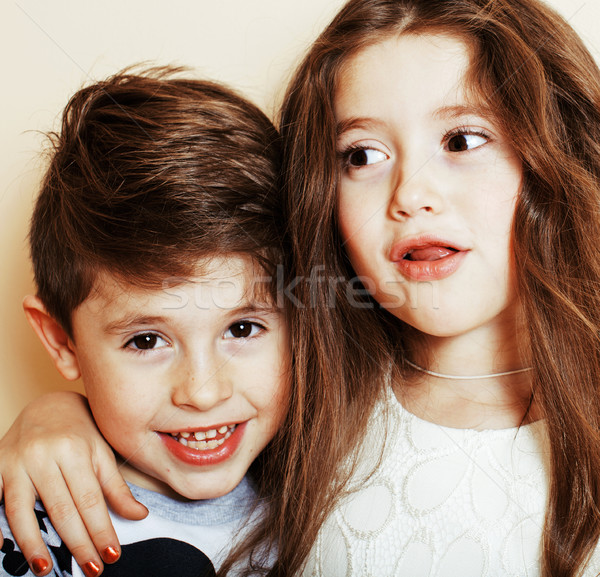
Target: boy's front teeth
[[197, 440]]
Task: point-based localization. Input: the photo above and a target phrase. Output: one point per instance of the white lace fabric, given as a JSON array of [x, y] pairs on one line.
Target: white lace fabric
[[442, 502]]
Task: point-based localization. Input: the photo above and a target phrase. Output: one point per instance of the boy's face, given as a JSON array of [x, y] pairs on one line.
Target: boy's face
[[188, 383]]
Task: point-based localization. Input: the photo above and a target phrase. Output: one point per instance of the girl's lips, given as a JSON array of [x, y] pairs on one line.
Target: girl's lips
[[429, 253], [190, 454], [427, 257]]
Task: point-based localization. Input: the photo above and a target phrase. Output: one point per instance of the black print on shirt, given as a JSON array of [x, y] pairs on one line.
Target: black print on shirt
[[15, 564], [13, 561], [160, 558]]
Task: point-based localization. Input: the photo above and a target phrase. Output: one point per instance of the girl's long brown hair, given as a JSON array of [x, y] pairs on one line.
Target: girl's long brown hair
[[544, 88]]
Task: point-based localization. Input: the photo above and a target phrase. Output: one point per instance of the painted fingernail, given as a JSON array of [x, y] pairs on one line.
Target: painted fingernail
[[39, 565], [91, 569], [110, 554]]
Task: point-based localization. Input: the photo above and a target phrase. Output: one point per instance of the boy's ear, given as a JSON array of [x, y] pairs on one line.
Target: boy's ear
[[53, 337]]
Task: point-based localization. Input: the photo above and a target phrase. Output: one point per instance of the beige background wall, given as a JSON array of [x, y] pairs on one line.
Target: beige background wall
[[50, 49]]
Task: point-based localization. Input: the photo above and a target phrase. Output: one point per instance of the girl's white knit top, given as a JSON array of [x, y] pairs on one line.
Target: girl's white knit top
[[433, 501]]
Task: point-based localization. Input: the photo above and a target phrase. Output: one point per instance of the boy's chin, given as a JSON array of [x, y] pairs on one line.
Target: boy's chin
[[204, 488], [193, 491]]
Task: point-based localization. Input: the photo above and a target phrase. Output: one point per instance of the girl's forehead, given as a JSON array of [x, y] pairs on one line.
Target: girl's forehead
[[402, 40], [416, 68], [393, 50]]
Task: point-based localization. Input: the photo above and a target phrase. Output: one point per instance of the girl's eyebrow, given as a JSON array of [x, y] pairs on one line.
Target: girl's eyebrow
[[356, 123], [450, 112], [460, 110]]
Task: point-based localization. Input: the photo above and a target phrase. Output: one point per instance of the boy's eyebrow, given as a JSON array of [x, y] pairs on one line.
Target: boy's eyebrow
[[128, 321], [263, 308], [137, 320]]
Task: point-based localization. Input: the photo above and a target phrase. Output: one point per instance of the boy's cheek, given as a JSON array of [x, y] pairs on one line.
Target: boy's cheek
[[281, 405]]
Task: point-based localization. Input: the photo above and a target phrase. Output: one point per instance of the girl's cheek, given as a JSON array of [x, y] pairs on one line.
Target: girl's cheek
[[349, 222], [367, 176], [357, 207]]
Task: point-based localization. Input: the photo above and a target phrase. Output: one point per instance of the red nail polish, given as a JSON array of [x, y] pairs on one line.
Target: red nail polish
[[110, 554], [91, 569], [39, 565]]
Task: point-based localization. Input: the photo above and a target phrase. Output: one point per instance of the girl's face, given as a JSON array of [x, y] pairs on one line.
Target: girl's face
[[428, 186]]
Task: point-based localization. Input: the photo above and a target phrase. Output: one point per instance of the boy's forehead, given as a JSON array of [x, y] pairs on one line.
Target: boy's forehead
[[221, 281]]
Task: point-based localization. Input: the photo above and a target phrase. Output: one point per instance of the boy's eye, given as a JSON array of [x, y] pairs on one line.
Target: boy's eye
[[463, 142], [146, 341], [242, 330], [365, 156]]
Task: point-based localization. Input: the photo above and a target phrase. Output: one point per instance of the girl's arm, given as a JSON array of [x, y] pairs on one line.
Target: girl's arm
[[54, 450]]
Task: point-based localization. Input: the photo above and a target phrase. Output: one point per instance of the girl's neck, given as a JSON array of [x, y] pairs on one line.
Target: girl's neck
[[485, 403]]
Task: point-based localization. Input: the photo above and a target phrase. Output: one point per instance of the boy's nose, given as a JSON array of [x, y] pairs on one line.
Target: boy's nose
[[203, 387]]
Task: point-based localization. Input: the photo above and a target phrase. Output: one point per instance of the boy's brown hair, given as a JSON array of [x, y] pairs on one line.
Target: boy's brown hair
[[149, 173]]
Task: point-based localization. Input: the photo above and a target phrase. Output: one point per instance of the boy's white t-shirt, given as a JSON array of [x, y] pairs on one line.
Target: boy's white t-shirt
[[177, 538]]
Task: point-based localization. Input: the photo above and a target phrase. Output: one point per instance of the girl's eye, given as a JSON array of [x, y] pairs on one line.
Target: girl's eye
[[364, 157], [243, 330], [146, 342], [462, 142]]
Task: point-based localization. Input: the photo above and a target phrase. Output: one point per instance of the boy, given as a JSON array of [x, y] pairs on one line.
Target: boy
[[152, 239]]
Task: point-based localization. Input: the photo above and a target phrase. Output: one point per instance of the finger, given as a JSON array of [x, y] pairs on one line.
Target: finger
[[118, 494], [20, 514], [66, 520], [87, 495]]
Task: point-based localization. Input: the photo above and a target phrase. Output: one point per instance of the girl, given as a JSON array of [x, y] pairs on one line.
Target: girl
[[465, 189], [445, 157]]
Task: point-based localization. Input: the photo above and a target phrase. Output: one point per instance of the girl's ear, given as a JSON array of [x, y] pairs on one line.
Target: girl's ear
[[53, 337]]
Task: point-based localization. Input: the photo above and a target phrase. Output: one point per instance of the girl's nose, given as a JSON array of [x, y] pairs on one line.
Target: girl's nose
[[417, 191], [202, 385]]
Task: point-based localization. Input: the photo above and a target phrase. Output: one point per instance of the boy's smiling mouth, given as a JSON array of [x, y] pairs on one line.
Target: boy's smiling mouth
[[219, 444], [204, 440]]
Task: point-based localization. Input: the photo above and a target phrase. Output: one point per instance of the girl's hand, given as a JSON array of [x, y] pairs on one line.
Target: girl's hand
[[54, 450]]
